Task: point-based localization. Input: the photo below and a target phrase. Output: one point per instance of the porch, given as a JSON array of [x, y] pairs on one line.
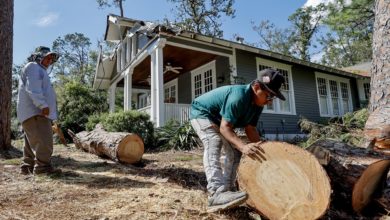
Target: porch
[[151, 80], [160, 72]]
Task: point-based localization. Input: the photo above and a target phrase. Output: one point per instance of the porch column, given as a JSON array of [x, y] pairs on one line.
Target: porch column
[[111, 98], [133, 46], [233, 67], [157, 84], [127, 90]]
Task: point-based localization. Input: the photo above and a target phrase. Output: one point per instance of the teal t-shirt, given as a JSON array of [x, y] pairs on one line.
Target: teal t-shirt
[[233, 103]]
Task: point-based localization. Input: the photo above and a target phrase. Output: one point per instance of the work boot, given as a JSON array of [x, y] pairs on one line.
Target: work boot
[[225, 200], [47, 171], [26, 170]]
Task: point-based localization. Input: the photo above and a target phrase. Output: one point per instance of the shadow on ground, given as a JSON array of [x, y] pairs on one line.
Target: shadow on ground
[[186, 178], [100, 181], [11, 153]]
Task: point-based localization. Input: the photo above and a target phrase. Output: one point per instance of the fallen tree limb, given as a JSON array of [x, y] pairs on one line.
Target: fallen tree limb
[[357, 174], [118, 146]]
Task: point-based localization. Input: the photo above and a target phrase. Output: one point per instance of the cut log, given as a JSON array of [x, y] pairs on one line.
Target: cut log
[[357, 174], [289, 184], [118, 146]]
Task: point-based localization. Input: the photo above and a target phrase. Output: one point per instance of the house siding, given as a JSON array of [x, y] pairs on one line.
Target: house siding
[[222, 69], [184, 88], [355, 94]]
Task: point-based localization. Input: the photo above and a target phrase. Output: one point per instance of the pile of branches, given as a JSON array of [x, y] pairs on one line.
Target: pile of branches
[[348, 128]]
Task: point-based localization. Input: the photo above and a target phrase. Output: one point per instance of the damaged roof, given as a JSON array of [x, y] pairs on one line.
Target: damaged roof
[[118, 27]]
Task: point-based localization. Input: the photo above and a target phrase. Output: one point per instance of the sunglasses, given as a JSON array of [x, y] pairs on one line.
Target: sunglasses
[[270, 97]]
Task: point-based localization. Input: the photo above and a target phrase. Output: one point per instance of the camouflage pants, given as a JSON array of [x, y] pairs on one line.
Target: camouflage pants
[[220, 176]]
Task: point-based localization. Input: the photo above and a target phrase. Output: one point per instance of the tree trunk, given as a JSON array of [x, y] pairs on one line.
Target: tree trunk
[[289, 184], [118, 146], [6, 39], [356, 174], [378, 122]]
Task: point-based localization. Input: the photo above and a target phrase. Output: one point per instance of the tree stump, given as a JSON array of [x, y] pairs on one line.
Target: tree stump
[[118, 146], [357, 174], [289, 184]]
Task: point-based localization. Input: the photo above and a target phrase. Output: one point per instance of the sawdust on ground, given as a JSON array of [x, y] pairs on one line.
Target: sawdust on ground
[[165, 185]]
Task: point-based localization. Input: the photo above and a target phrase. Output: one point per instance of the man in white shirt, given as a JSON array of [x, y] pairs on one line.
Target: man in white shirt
[[36, 108]]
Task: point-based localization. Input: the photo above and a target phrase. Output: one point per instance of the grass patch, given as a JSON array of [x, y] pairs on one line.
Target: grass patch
[[15, 161], [185, 158]]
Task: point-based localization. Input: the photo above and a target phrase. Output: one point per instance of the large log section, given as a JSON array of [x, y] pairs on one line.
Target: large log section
[[358, 175], [289, 184], [118, 146]]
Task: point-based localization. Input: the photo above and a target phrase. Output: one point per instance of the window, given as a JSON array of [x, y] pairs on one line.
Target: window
[[203, 79], [170, 92], [345, 97], [334, 95], [143, 100], [279, 106], [323, 96]]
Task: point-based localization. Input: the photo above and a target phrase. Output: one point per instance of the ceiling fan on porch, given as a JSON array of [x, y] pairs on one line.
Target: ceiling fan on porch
[[147, 80], [170, 68]]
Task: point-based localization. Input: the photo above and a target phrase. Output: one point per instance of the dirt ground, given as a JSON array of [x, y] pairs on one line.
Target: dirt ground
[[165, 185]]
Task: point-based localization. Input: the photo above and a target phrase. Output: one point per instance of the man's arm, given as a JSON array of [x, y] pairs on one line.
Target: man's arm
[[252, 134], [251, 149], [227, 131], [33, 87]]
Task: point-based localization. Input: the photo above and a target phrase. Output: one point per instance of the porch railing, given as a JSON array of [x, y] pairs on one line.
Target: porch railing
[[173, 111], [178, 112]]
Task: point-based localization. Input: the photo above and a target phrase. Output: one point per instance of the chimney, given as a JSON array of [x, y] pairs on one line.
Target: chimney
[[240, 39]]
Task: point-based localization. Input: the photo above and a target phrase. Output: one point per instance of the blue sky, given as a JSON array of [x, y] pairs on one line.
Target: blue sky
[[40, 22]]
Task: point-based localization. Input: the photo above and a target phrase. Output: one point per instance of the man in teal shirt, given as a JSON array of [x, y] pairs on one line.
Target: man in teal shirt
[[215, 115]]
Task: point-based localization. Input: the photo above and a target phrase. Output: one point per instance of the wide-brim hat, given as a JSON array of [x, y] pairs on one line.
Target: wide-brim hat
[[45, 51], [273, 80]]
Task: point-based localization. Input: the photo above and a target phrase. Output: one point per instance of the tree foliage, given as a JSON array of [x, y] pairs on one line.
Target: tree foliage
[[294, 40], [110, 3], [273, 38], [203, 16], [348, 129], [345, 37], [350, 33], [305, 23], [77, 60]]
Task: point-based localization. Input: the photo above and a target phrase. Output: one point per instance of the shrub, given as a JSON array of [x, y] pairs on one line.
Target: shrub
[[76, 103], [95, 119], [176, 136]]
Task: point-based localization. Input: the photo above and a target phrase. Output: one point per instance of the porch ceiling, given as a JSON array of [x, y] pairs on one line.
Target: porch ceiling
[[176, 56]]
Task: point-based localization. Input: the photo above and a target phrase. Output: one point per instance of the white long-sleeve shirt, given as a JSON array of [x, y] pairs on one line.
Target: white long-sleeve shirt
[[35, 93]]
